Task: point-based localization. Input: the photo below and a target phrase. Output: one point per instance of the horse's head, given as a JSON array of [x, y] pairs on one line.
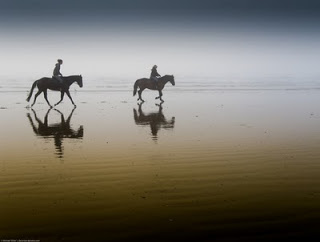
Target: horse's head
[[171, 79], [79, 81]]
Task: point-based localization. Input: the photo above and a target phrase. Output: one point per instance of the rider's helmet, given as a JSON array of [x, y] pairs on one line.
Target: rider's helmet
[[60, 61], [155, 66]]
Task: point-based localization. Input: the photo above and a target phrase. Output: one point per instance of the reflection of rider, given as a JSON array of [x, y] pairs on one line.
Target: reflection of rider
[[156, 120], [57, 131], [155, 75], [56, 72]]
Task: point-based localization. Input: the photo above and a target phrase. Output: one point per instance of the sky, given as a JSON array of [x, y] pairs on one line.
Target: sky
[[188, 38], [194, 6]]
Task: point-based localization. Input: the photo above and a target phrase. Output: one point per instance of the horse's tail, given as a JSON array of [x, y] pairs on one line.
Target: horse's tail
[[135, 87], [30, 94]]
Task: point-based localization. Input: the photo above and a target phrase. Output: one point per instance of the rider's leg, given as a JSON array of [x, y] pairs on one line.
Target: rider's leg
[[156, 82], [59, 78]]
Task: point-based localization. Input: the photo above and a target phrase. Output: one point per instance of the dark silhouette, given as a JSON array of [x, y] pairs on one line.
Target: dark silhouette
[[144, 83], [46, 83], [155, 75], [156, 120], [56, 71], [57, 131]]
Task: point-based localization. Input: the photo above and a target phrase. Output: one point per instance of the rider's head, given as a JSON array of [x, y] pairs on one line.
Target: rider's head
[[155, 67], [60, 61]]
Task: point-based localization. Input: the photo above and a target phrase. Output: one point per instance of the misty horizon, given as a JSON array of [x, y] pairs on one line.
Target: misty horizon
[[124, 39]]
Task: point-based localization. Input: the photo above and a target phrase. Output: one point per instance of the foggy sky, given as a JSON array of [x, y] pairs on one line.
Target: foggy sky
[[293, 8], [198, 37]]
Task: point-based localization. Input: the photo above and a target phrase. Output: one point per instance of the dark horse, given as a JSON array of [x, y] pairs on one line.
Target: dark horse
[[56, 131], [144, 83], [46, 83], [156, 120]]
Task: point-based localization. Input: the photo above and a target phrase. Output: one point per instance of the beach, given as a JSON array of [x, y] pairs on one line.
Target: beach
[[213, 162], [232, 154]]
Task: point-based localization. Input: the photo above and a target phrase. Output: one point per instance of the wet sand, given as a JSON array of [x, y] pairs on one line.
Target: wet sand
[[219, 165]]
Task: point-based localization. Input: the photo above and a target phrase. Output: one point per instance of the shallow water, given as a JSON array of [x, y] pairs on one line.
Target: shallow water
[[226, 163]]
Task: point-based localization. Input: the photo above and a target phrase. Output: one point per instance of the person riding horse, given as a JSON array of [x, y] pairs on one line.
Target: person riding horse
[[56, 72], [155, 75]]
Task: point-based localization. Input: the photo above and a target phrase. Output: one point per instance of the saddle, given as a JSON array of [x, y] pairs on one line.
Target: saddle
[[54, 78], [58, 82], [155, 82]]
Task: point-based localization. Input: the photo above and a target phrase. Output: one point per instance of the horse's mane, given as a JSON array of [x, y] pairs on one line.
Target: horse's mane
[[72, 76], [167, 76]]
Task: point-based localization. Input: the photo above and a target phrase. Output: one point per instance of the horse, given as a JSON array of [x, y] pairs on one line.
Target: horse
[[144, 83], [46, 83]]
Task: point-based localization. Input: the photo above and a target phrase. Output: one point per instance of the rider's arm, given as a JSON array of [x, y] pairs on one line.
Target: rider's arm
[[56, 71], [59, 72]]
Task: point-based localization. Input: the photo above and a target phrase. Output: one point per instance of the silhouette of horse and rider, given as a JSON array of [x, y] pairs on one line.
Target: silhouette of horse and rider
[[56, 83], [61, 83], [155, 82], [156, 120], [56, 131], [46, 83]]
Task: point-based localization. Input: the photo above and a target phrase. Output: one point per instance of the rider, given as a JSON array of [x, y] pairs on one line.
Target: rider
[[155, 75], [56, 72]]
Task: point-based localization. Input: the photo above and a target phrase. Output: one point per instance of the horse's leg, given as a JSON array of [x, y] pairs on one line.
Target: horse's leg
[[160, 95], [61, 98], [140, 92], [35, 97], [68, 94], [45, 92]]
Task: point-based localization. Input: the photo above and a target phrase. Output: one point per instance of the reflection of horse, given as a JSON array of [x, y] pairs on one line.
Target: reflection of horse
[[58, 131], [156, 120], [144, 83], [46, 83]]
